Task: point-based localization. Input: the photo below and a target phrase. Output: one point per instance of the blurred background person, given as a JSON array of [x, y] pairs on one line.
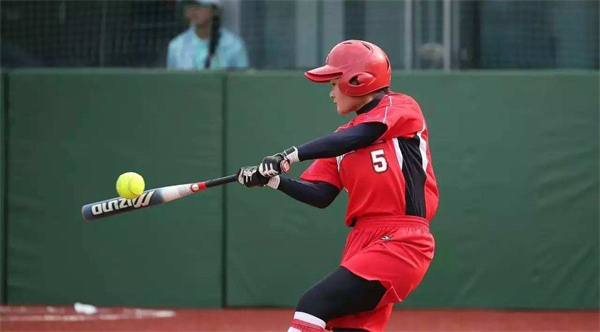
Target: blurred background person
[[206, 45], [431, 56]]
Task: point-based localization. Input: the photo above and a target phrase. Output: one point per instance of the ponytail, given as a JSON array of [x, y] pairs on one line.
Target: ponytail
[[215, 36]]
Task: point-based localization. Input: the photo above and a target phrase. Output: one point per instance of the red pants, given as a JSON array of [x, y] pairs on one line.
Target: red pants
[[397, 253]]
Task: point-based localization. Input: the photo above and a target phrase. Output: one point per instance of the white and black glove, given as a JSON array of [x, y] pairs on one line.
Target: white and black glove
[[249, 177], [279, 163]]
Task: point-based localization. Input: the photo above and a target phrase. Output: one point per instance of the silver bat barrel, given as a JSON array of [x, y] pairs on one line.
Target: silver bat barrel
[[113, 206]]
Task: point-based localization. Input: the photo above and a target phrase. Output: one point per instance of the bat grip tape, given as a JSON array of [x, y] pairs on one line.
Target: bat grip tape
[[221, 181]]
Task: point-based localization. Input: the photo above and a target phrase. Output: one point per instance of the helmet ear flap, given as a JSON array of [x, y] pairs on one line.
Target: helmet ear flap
[[351, 83], [362, 79]]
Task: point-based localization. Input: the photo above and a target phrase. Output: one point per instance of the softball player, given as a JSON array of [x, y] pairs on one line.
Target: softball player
[[381, 157]]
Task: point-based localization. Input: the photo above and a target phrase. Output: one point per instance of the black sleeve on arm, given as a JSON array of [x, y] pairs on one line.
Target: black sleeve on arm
[[341, 142], [317, 194]]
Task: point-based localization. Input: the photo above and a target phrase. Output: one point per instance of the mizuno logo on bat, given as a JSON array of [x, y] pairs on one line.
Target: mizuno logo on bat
[[121, 203]]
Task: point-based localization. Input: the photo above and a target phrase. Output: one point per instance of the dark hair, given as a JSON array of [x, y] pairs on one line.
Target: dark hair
[[215, 35]]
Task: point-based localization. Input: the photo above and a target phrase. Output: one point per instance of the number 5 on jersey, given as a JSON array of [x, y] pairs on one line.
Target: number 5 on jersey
[[380, 164]]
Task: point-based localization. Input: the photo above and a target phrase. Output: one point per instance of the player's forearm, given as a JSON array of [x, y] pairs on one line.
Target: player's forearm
[[328, 146], [341, 142], [317, 194]]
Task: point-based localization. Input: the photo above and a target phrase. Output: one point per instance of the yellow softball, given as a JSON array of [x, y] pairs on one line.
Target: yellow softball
[[130, 185]]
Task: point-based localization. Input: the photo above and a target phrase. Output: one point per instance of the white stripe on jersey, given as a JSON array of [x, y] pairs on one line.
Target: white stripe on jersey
[[423, 148], [385, 116], [386, 109], [398, 152]]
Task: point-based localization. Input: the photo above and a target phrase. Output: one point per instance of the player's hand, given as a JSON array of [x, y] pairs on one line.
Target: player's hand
[[279, 163], [250, 177]]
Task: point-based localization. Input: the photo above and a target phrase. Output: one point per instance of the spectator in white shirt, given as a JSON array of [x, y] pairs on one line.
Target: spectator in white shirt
[[206, 45]]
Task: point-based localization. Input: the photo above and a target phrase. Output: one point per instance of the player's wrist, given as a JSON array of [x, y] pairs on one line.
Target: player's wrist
[[278, 163], [274, 182], [291, 155]]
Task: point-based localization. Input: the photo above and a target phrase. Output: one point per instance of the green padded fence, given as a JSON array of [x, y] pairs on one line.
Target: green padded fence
[[276, 247], [71, 134], [516, 157], [3, 145]]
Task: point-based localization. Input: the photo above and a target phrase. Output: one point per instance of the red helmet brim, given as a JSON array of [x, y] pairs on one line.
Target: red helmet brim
[[323, 74]]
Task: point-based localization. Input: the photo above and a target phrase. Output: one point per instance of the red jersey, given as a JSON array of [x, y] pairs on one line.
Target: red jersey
[[393, 176]]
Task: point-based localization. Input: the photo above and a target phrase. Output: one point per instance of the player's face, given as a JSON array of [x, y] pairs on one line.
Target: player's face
[[198, 15], [344, 103]]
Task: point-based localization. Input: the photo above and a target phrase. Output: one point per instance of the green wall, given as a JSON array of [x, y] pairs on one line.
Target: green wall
[[518, 174], [276, 247], [2, 186], [516, 157], [71, 135]]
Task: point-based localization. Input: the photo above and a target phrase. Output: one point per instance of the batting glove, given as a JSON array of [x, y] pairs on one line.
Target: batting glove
[[279, 163], [250, 177]]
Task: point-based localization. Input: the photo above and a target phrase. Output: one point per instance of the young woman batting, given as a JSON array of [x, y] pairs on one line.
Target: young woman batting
[[381, 157]]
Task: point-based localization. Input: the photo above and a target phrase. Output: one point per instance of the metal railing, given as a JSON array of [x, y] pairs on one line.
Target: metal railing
[[297, 34]]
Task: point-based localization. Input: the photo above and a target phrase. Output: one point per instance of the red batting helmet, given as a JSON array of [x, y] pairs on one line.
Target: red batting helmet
[[355, 59]]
